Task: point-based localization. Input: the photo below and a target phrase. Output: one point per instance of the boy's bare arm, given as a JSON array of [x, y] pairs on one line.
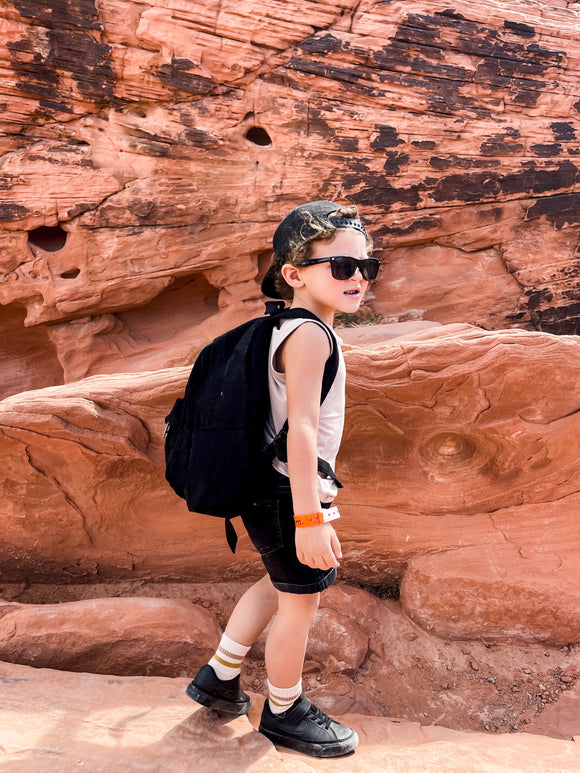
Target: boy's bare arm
[[303, 358]]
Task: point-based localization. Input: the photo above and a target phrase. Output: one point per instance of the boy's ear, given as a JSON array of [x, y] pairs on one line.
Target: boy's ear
[[291, 275]]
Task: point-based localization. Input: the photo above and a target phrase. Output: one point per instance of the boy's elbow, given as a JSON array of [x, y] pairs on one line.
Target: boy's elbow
[[303, 428], [302, 434]]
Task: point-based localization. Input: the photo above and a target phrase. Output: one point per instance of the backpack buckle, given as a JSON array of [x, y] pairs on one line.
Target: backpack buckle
[[274, 307]]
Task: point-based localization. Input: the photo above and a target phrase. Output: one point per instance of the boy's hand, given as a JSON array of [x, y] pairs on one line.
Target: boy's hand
[[318, 546]]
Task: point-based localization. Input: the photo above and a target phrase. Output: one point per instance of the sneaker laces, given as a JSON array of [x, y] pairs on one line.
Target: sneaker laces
[[318, 716]]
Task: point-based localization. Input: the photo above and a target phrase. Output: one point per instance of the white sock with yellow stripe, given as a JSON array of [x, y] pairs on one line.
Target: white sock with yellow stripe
[[227, 661], [281, 698]]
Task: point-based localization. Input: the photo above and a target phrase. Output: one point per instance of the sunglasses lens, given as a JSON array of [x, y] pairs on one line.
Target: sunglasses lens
[[344, 267], [369, 268]]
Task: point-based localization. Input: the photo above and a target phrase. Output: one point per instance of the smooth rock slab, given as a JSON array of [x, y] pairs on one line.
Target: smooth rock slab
[[53, 721], [127, 636], [496, 592]]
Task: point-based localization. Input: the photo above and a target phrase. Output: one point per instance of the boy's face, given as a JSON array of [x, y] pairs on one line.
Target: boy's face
[[319, 285]]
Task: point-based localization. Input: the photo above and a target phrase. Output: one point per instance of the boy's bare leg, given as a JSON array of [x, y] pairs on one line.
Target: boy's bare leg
[[253, 612], [289, 719], [286, 643], [217, 684]]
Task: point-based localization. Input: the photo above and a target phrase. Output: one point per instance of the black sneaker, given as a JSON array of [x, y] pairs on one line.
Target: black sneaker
[[305, 728], [226, 695]]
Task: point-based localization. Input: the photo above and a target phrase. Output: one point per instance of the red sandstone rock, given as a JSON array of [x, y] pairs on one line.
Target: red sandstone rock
[[562, 718], [463, 423], [158, 146], [336, 643], [97, 722], [163, 142], [497, 592], [341, 695], [407, 672], [453, 439], [146, 636]]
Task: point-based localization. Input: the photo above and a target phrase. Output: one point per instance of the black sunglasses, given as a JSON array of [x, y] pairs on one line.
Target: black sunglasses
[[344, 266]]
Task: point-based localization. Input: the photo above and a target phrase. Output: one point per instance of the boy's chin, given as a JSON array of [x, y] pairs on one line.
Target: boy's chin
[[351, 306]]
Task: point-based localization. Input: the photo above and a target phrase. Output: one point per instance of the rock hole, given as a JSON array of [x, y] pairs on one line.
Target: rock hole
[[169, 319], [258, 136], [48, 238], [28, 355], [71, 273]]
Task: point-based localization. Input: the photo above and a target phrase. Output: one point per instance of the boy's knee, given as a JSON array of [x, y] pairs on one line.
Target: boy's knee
[[305, 604]]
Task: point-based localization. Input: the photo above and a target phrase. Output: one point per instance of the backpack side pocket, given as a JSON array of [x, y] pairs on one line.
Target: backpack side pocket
[[176, 454]]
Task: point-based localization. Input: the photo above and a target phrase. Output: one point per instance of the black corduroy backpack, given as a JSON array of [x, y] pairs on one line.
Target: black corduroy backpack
[[215, 454]]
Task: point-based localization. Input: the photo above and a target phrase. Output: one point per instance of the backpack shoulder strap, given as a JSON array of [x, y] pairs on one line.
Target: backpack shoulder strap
[[278, 446], [331, 366]]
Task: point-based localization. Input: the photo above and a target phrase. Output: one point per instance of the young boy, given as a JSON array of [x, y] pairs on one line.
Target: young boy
[[321, 263]]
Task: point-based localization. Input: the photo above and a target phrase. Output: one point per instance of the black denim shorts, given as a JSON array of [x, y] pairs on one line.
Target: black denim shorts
[[270, 526]]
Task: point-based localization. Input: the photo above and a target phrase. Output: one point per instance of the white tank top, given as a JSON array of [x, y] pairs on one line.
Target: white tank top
[[331, 419]]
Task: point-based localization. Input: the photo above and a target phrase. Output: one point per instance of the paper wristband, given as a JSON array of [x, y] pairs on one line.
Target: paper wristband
[[317, 519]]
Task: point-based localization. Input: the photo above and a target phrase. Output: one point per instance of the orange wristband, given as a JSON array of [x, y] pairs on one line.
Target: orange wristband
[[311, 519]]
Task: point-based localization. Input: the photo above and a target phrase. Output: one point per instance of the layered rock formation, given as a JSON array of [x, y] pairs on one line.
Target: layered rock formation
[[147, 151], [455, 440], [150, 149]]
